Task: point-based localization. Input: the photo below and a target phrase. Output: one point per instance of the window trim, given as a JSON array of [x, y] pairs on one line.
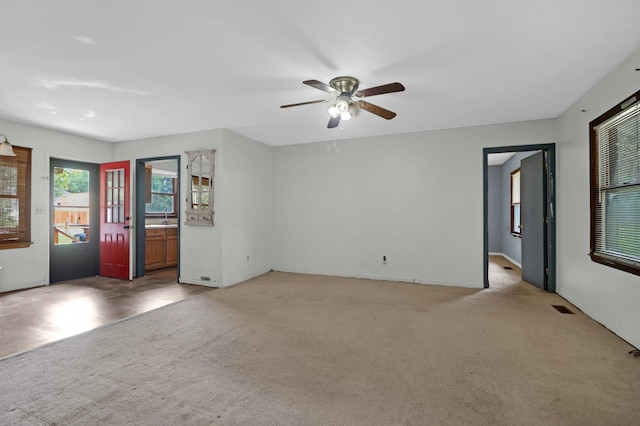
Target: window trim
[[26, 198], [595, 256], [512, 208]]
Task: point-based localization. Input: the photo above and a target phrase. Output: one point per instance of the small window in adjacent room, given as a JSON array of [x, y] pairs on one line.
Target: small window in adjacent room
[[15, 198], [515, 202], [615, 186], [163, 194]]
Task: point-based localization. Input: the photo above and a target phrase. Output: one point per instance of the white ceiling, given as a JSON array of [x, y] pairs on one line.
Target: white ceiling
[[120, 70], [499, 159]]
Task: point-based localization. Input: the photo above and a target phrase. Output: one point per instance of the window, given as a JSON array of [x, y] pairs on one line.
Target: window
[[71, 209], [615, 186], [163, 196], [515, 202], [15, 198]]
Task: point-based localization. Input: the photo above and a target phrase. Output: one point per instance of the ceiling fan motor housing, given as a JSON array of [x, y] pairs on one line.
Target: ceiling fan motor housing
[[345, 84]]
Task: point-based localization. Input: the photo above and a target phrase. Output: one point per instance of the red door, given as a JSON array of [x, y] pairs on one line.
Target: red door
[[114, 220]]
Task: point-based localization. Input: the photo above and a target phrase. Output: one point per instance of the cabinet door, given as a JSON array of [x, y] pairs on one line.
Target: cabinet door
[[172, 247], [154, 249]]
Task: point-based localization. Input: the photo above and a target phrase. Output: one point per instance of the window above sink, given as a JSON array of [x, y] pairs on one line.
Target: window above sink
[[162, 190]]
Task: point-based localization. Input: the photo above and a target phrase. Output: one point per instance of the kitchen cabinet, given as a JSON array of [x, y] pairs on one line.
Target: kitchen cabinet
[[161, 248], [148, 176], [171, 257]]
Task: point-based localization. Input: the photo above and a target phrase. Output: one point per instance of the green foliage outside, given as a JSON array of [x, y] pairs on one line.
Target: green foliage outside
[[9, 206], [161, 195], [70, 180], [9, 213]]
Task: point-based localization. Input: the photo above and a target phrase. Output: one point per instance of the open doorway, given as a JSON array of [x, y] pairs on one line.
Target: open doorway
[[158, 209], [529, 223], [74, 241], [89, 220]]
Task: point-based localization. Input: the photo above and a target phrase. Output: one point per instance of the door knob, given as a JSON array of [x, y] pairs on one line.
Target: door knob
[[126, 227]]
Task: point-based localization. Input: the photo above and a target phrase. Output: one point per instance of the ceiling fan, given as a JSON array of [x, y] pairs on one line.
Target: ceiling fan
[[346, 103]]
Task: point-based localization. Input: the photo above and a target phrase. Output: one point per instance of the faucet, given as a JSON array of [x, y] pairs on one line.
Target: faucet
[[166, 219]]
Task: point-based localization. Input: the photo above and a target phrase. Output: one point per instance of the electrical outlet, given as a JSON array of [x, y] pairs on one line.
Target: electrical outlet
[[247, 258], [384, 260], [38, 210], [203, 278]]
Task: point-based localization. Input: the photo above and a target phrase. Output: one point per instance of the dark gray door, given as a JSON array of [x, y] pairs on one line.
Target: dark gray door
[[532, 210], [74, 243]]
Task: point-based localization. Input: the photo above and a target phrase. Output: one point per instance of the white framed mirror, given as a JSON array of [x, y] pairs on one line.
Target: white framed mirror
[[200, 168]]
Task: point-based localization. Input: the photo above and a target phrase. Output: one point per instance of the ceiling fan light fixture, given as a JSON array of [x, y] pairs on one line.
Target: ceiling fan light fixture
[[346, 103], [354, 109], [333, 111], [342, 105]]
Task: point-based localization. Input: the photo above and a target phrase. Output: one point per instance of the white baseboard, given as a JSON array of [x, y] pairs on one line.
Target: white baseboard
[[422, 281], [197, 281], [611, 325], [26, 286], [245, 278]]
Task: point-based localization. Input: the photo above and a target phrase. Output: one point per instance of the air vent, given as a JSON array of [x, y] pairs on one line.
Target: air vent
[[562, 309]]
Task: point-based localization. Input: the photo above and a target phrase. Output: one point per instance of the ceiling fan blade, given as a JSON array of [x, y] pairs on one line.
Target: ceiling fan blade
[[319, 85], [380, 90], [305, 103], [333, 122], [375, 109]]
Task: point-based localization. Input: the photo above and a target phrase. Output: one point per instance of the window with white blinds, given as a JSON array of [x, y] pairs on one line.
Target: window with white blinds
[[615, 186]]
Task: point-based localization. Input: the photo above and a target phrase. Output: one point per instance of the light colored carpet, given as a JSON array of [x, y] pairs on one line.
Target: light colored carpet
[[298, 349]]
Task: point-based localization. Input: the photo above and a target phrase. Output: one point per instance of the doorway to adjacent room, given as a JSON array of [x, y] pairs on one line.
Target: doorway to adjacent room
[[536, 214]]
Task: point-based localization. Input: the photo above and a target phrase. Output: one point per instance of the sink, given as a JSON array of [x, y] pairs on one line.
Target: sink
[[161, 226]]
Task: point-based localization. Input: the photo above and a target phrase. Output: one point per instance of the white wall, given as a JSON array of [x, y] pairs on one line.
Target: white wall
[[606, 294], [242, 204], [29, 267], [415, 198], [200, 246], [248, 211]]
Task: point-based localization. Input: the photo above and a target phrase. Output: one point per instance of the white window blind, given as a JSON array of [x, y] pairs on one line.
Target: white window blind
[[617, 192]]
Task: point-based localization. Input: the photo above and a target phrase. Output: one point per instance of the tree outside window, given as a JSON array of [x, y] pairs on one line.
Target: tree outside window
[[163, 196], [71, 208]]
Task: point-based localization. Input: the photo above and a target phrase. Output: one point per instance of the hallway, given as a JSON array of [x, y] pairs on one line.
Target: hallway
[[502, 273]]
